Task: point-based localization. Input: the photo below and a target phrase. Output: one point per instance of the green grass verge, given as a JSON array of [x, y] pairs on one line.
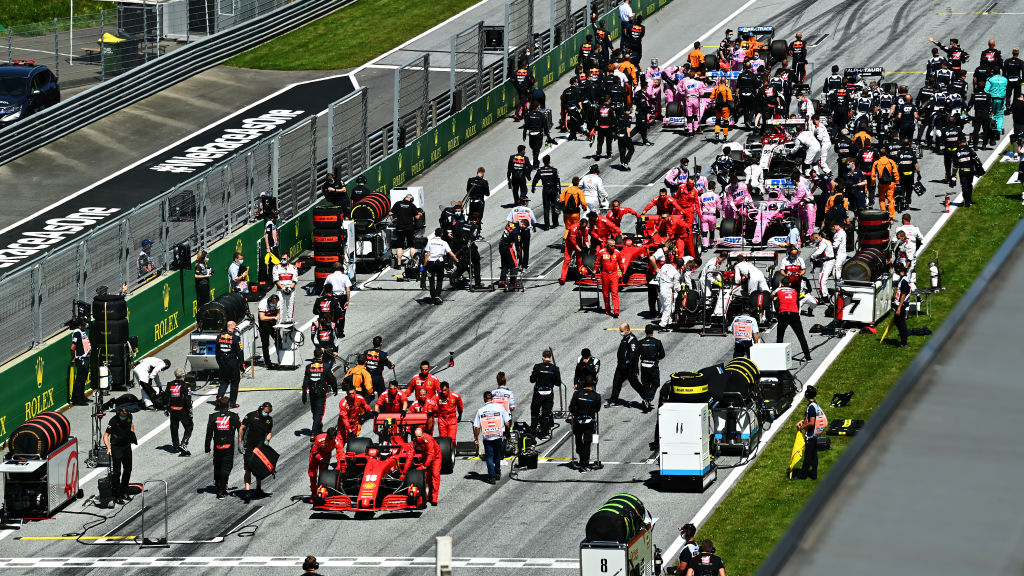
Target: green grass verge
[[763, 504], [19, 12], [351, 36]]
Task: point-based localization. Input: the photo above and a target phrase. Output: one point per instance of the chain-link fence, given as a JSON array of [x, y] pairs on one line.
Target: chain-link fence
[[467, 64], [91, 48], [214, 204], [348, 150]]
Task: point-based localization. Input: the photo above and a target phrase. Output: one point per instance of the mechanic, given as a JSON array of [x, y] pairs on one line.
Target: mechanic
[[1013, 69], [118, 438], [407, 218], [587, 51], [651, 352], [968, 166], [286, 278], [803, 203], [310, 565], [147, 373], [315, 383], [491, 421], [745, 332], [624, 139], [721, 96], [352, 410], [747, 84], [360, 191], [826, 256], [787, 295], [839, 245], [477, 190], [689, 551], [576, 243], [547, 175], [570, 117], [341, 288], [423, 403], [995, 86], [677, 176], [146, 263], [337, 194], [710, 206], [257, 428], [737, 195], [269, 314], [328, 306], [179, 408], [583, 410], [610, 268], [904, 250], [691, 88], [502, 394], [586, 365], [633, 37], [798, 50], [436, 251], [706, 564], [900, 295], [221, 428], [751, 274], [535, 127], [523, 212], [449, 412], [237, 274], [627, 368], [981, 103], [886, 176], [424, 380], [605, 122], [594, 194], [910, 171], [81, 355], [544, 377], [393, 400], [523, 82], [202, 275], [950, 137], [320, 453], [376, 360], [618, 212], [428, 459], [321, 332], [571, 203], [668, 292], [518, 173], [913, 233], [509, 247], [665, 204], [466, 233], [813, 425]]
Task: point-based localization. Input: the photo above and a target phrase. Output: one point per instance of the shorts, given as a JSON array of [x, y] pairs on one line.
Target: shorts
[[404, 238]]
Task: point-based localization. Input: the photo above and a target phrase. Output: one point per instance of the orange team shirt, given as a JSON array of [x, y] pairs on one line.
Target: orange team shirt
[[725, 92], [696, 58], [753, 45], [629, 70]]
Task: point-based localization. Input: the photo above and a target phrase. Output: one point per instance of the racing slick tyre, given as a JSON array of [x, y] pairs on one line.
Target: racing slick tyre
[[358, 445], [109, 307], [711, 62], [674, 109], [447, 455], [329, 478], [328, 216], [418, 478], [110, 333], [778, 50], [872, 220], [776, 279], [728, 227]]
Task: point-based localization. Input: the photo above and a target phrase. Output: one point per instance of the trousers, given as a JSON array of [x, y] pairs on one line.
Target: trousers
[[622, 374], [583, 435], [184, 418], [223, 461]]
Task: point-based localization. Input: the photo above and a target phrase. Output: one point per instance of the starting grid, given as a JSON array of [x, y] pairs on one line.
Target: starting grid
[[192, 562]]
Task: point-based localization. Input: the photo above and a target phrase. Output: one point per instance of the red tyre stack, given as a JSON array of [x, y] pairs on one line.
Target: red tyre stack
[[873, 229], [329, 238]]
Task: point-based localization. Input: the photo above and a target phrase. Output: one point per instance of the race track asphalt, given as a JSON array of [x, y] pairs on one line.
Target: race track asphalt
[[542, 515]]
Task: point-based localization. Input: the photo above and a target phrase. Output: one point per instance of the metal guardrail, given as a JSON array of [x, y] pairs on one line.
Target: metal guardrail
[[158, 74]]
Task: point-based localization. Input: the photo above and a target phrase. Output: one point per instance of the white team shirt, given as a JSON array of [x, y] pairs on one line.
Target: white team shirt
[[668, 277], [147, 368], [491, 419], [625, 12], [338, 281], [839, 245], [436, 249], [264, 305], [500, 394], [287, 275], [522, 213], [594, 192], [824, 250]]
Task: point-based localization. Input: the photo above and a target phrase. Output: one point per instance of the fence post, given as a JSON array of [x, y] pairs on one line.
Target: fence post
[[10, 44], [479, 59], [312, 163], [454, 58], [363, 105], [394, 121], [37, 303], [275, 159], [56, 46], [229, 191], [586, 17], [554, 25], [103, 68], [504, 60], [145, 33], [428, 118], [330, 138], [250, 184]]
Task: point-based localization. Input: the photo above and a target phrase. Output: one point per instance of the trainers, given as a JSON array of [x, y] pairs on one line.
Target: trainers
[[248, 496], [647, 406], [184, 453], [259, 493], [221, 495], [492, 481]]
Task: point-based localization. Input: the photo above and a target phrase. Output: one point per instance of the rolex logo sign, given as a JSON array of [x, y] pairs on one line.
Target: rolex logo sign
[[40, 363], [167, 297]]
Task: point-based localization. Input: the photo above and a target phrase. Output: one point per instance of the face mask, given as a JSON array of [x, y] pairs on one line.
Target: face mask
[[266, 413], [122, 417], [240, 262]]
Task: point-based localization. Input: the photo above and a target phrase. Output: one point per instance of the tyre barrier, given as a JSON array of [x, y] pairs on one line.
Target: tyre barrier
[[40, 436]]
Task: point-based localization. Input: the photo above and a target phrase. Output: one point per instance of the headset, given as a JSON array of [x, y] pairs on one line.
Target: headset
[[266, 405], [310, 563]]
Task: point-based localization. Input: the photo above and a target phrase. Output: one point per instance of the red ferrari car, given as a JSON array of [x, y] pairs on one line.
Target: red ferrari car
[[371, 477]]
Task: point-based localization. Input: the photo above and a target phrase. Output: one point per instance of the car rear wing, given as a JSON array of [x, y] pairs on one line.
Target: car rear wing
[[790, 122], [870, 71], [756, 29], [730, 75]]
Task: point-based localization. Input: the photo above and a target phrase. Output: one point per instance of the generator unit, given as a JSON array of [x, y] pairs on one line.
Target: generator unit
[[684, 438], [202, 356], [865, 302]]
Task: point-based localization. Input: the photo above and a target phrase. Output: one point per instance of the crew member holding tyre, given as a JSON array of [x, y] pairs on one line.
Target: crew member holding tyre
[[428, 459], [286, 277]]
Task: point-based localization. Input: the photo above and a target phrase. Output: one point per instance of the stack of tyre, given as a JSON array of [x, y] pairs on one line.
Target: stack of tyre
[[620, 519], [329, 238], [109, 335], [873, 229], [40, 436]]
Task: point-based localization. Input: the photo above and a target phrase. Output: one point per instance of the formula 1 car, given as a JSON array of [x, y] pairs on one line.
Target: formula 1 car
[[724, 298], [675, 112], [761, 224], [776, 50], [779, 153], [370, 478]]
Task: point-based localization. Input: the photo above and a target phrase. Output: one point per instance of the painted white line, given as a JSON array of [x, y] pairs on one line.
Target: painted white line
[[165, 149], [432, 69], [726, 485], [420, 36], [194, 562]]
